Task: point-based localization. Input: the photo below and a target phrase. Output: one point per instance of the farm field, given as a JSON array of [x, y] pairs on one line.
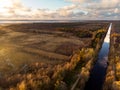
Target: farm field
[[47, 56]]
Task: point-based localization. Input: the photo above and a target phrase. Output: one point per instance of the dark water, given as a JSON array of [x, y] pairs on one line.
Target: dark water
[[98, 72]]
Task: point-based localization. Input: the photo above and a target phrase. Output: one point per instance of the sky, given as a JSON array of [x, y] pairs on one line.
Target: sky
[[60, 9]]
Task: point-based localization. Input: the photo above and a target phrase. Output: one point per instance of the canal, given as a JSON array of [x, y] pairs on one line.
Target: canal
[[98, 72]]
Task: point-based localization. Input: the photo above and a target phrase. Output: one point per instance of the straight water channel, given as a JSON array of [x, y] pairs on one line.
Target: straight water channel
[[98, 72]]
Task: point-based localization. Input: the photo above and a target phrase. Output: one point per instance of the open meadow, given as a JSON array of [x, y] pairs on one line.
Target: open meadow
[[44, 56]]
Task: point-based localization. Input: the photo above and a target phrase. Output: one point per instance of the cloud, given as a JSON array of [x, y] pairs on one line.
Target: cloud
[[79, 9], [67, 10], [116, 10], [19, 11], [15, 10], [99, 9], [80, 1]]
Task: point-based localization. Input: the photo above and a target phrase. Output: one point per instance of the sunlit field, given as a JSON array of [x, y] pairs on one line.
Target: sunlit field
[[48, 55], [59, 44]]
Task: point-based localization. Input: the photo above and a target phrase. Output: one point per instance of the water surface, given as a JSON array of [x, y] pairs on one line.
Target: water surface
[[98, 72]]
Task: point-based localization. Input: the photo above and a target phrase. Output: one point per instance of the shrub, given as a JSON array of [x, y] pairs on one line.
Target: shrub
[[116, 85], [60, 85], [22, 86], [118, 70]]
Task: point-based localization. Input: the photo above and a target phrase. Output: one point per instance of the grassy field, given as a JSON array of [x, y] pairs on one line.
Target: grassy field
[[44, 56]]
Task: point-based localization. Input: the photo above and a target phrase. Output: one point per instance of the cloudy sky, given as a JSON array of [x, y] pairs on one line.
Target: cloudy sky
[[60, 9]]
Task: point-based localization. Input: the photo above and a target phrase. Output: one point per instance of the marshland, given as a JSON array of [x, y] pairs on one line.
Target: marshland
[[47, 56]]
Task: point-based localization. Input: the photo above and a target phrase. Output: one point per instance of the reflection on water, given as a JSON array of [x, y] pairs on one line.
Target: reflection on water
[[99, 70], [107, 38]]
